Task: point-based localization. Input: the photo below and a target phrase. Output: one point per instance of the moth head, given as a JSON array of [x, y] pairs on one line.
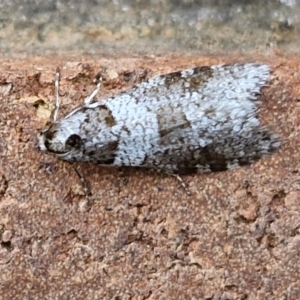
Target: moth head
[[58, 140]]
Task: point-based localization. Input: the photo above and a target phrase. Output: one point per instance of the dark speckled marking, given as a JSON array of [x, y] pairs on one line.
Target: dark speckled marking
[[200, 77], [172, 78], [106, 114], [168, 123], [112, 146]]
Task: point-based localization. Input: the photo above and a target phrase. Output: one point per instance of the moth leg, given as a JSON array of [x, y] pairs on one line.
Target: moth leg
[[57, 103], [90, 98], [182, 183], [86, 189]]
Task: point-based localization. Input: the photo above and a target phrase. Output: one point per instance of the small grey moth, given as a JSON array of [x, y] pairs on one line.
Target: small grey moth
[[197, 120]]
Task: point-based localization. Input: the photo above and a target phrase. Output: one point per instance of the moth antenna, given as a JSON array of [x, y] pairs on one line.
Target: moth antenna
[[57, 103], [90, 98]]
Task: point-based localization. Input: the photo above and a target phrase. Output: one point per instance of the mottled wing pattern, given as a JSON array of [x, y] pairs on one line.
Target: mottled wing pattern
[[206, 118]]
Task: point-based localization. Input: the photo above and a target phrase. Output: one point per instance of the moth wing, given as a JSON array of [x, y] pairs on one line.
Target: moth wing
[[211, 111], [232, 81], [224, 93], [205, 98]]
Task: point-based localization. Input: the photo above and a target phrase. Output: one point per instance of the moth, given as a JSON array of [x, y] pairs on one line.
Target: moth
[[197, 120]]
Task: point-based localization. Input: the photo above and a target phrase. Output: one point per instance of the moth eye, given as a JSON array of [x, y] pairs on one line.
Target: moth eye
[[74, 141]]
